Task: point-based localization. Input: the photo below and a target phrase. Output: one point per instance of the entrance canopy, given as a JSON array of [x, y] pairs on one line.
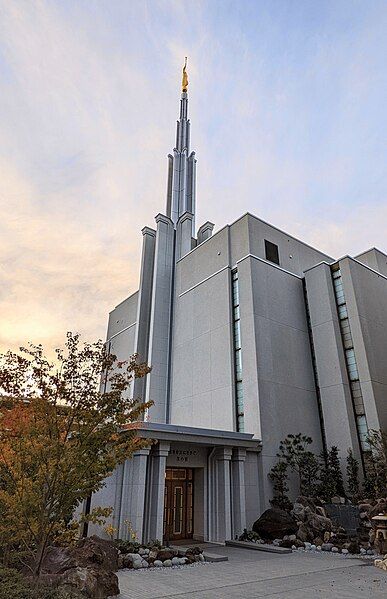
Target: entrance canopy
[[209, 502], [204, 436]]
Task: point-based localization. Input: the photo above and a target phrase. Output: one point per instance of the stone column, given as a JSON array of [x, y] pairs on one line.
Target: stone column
[[157, 383], [144, 305], [223, 494], [238, 491], [184, 235], [205, 231], [133, 494], [157, 488]]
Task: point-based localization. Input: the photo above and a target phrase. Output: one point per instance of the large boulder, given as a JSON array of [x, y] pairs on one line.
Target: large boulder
[[88, 567], [94, 551], [319, 524], [304, 533], [91, 582], [57, 560], [298, 511], [275, 523]]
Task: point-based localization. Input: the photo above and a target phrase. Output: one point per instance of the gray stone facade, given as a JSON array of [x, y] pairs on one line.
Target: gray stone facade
[[251, 335]]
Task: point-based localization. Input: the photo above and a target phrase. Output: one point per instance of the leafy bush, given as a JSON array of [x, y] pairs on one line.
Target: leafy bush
[[14, 585], [133, 546], [249, 535]]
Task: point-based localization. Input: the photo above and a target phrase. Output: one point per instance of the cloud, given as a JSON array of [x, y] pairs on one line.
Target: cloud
[[288, 122]]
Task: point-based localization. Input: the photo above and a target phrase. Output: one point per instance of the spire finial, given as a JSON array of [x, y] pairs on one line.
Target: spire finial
[[184, 82]]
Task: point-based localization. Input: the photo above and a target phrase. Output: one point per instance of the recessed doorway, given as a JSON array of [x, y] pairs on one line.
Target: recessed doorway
[[178, 504]]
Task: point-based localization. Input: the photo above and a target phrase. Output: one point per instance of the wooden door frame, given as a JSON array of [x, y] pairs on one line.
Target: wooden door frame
[[170, 485]]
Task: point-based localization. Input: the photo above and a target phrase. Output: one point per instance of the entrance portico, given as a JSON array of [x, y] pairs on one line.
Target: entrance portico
[[189, 483]]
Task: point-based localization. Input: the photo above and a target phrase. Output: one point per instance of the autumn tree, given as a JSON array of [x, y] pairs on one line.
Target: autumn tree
[[62, 433]]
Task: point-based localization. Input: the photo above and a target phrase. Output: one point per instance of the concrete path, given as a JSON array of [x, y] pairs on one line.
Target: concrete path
[[252, 574]]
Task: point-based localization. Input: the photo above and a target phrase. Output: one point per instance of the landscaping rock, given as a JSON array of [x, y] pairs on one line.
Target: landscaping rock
[[381, 563], [93, 583], [92, 551], [298, 512], [175, 561], [379, 508], [307, 546], [306, 502], [167, 563], [275, 523], [326, 547], [304, 533], [353, 547], [335, 550], [164, 554], [319, 524], [158, 563], [286, 543]]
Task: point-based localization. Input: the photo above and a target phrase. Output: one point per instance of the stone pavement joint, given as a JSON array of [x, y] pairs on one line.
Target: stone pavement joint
[[254, 575], [258, 547]]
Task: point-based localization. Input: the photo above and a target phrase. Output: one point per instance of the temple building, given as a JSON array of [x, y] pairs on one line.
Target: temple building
[[251, 335]]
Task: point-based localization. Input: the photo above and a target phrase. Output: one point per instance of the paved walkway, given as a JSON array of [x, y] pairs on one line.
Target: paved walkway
[[254, 574]]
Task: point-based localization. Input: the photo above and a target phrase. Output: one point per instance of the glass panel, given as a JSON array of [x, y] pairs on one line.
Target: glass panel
[[179, 474], [343, 312], [237, 336], [177, 510], [241, 424], [363, 431], [189, 509], [165, 509]]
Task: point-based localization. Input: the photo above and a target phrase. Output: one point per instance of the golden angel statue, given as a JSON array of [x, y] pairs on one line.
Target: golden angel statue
[[184, 83]]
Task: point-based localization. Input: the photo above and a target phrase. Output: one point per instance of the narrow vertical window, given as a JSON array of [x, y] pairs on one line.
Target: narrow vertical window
[[237, 354], [350, 360]]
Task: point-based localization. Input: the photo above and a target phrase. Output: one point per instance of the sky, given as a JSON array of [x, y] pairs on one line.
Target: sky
[[288, 112]]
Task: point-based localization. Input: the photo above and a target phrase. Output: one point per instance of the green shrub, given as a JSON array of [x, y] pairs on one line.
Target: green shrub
[[249, 535], [14, 585], [134, 546]]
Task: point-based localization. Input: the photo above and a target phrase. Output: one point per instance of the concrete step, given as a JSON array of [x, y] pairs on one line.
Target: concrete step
[[209, 557], [258, 547]]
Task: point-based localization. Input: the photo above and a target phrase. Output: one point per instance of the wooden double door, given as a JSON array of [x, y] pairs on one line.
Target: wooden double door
[[178, 504]]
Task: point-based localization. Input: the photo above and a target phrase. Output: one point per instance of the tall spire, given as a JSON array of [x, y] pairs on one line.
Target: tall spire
[[182, 164]]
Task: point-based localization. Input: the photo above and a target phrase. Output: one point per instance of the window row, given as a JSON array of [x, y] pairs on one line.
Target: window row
[[239, 405]]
